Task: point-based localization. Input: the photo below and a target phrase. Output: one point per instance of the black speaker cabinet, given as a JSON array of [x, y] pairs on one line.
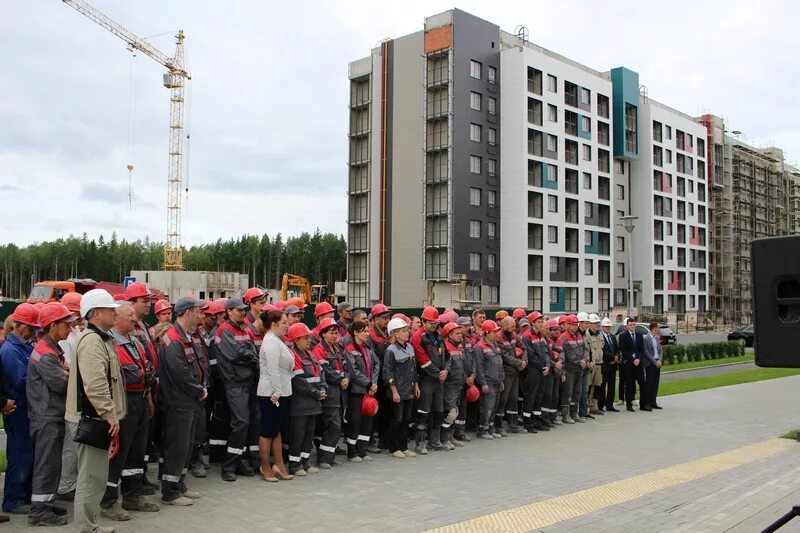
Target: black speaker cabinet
[[776, 301]]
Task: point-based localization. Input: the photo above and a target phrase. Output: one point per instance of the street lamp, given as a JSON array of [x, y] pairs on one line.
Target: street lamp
[[628, 224]]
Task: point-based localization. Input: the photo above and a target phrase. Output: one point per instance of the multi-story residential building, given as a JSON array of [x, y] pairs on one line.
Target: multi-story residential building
[[753, 193]]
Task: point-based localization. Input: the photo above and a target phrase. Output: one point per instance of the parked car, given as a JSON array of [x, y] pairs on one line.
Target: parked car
[[744, 334], [667, 336]]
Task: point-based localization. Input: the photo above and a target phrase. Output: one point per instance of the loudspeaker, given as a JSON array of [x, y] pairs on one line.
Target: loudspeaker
[[776, 300]]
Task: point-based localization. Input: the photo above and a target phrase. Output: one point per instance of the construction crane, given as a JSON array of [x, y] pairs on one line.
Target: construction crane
[[175, 80]]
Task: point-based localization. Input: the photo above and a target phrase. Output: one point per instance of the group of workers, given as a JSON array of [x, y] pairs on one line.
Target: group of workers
[[91, 396]]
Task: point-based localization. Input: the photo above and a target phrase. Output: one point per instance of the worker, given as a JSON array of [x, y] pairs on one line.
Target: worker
[[255, 299], [182, 391], [309, 388], [95, 391], [127, 466], [534, 342], [500, 315], [206, 331], [219, 421], [454, 385], [14, 356], [294, 314], [556, 370], [518, 314], [571, 341], [610, 365], [489, 376], [478, 316], [434, 367], [594, 345], [364, 371], [69, 456], [345, 311], [515, 360], [322, 311], [379, 341], [237, 361], [459, 431], [329, 356], [585, 375], [47, 381], [400, 376]]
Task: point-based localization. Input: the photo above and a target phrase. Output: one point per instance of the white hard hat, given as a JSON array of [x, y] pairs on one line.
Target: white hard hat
[[583, 317], [594, 319], [396, 324], [96, 298], [605, 322]]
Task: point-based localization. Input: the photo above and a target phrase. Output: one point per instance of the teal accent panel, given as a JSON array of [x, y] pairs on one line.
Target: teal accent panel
[[582, 133], [625, 84], [593, 247], [562, 301], [551, 182]]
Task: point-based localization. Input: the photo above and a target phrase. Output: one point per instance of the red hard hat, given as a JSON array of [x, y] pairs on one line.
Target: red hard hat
[[473, 393], [562, 319], [572, 319], [26, 314], [518, 313], [430, 313], [253, 293], [450, 327], [299, 302], [322, 308], [326, 323], [280, 305], [121, 297], [137, 289], [53, 312], [73, 301], [266, 309], [552, 323], [536, 315], [161, 305], [403, 317], [500, 315], [369, 406], [489, 326], [297, 331], [379, 309], [451, 315]]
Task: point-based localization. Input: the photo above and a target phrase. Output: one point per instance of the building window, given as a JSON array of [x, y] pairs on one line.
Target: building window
[[494, 294], [552, 234], [588, 296], [587, 152], [620, 192], [475, 69], [475, 164], [588, 267], [619, 167], [491, 74], [619, 296], [586, 96], [620, 270], [491, 198], [491, 230], [552, 203], [474, 261], [491, 166], [657, 131], [475, 132], [491, 136], [534, 81], [552, 113], [620, 244], [586, 124], [587, 180], [475, 101], [474, 196], [552, 143], [554, 265], [554, 295], [490, 261], [588, 208], [475, 229], [491, 105], [602, 105], [631, 119], [669, 131], [552, 83]]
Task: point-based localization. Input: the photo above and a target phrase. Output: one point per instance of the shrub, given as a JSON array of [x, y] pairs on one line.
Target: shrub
[[680, 353], [669, 354]]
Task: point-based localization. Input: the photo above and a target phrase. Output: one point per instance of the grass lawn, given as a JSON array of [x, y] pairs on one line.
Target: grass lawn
[[3, 461], [731, 378], [708, 362]]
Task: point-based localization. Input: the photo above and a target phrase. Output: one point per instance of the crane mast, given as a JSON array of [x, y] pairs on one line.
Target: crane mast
[[175, 80]]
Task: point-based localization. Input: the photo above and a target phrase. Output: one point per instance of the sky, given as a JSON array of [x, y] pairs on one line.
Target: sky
[[267, 105]]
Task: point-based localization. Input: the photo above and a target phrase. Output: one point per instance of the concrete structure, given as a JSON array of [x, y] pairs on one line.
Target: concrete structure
[[754, 193], [202, 284]]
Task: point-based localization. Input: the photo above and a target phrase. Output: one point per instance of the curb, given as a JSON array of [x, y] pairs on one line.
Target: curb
[[706, 367]]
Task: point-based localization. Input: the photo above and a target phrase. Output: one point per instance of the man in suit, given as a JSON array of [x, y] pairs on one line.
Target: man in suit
[[651, 362], [605, 396], [631, 346]]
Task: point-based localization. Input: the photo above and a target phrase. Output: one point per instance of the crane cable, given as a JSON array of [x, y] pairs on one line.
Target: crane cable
[[131, 125]]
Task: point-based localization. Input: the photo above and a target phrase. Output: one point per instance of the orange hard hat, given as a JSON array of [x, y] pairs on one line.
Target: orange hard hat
[[253, 293], [489, 325], [137, 289], [161, 305], [297, 331], [500, 315], [322, 308], [430, 313], [53, 312], [26, 314], [73, 301]]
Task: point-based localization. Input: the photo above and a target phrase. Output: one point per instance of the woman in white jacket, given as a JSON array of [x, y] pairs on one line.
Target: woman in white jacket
[[274, 393]]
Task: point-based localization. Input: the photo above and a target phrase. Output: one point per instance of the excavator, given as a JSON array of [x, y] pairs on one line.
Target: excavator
[[312, 294]]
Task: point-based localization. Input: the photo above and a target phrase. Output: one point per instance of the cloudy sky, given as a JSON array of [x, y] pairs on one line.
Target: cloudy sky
[[268, 121]]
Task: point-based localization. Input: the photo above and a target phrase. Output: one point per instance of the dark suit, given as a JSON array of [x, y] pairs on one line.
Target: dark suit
[[652, 374], [605, 394], [632, 345]]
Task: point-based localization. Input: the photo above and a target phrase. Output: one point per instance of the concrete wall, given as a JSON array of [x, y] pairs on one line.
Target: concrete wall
[[202, 284]]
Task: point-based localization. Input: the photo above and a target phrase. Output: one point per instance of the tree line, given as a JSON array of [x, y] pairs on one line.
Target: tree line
[[318, 257]]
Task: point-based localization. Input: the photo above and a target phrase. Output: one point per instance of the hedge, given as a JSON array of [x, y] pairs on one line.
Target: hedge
[[679, 353]]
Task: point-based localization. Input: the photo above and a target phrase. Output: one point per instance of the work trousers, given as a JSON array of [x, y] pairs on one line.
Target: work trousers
[[534, 388], [606, 395], [555, 391], [359, 428], [461, 420], [90, 487], [585, 384], [571, 388], [401, 415], [301, 436], [176, 450], [451, 400], [219, 426], [633, 375], [430, 407], [19, 454], [128, 465], [651, 382], [331, 429], [48, 437], [243, 440], [69, 461], [508, 397], [489, 402], [381, 422]]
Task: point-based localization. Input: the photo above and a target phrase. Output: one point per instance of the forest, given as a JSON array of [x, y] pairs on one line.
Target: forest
[[318, 257]]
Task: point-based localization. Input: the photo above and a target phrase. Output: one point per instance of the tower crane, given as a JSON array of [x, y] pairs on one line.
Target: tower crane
[[175, 80]]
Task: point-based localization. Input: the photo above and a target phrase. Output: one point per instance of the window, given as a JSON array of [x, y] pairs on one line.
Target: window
[[490, 261], [474, 261], [491, 230], [631, 118], [587, 180], [571, 181], [602, 105], [534, 80], [491, 105], [552, 234], [475, 101], [552, 113], [570, 94], [620, 244], [552, 83], [475, 69], [603, 161], [586, 96], [620, 270], [619, 166], [619, 296], [491, 167], [603, 133], [571, 123], [588, 267], [669, 156], [491, 198], [535, 298], [669, 253], [491, 74], [586, 124], [474, 196], [475, 164], [554, 265], [494, 294], [620, 192], [701, 192], [588, 296], [571, 152], [587, 152], [669, 131], [554, 295], [552, 143], [491, 136], [588, 209], [475, 132], [552, 203], [475, 229]]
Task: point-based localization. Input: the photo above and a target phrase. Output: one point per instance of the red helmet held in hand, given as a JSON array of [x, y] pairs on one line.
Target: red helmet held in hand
[[369, 406], [473, 393]]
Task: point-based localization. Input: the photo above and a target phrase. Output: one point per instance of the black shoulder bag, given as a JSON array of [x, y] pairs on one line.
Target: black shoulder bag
[[92, 430]]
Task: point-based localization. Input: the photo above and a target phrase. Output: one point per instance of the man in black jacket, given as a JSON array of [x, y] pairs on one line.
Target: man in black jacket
[[631, 345], [610, 365]]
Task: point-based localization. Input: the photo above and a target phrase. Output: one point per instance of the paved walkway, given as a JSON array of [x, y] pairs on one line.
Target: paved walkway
[[486, 477]]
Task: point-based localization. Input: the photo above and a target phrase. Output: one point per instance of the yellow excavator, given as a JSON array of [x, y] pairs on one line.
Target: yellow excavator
[[311, 294]]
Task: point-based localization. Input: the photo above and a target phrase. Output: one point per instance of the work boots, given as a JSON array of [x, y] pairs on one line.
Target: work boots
[[513, 424], [197, 467], [573, 412], [434, 441], [504, 428], [565, 418], [419, 438]]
